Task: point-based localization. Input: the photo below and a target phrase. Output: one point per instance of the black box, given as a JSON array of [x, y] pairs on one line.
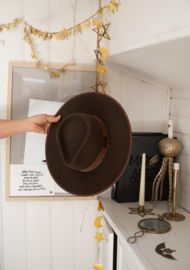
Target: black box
[[127, 187]]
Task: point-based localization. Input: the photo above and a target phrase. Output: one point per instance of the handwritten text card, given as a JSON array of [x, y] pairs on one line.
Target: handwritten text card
[[31, 180]]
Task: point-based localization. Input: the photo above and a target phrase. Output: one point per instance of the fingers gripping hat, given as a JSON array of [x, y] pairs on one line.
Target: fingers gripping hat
[[88, 149]]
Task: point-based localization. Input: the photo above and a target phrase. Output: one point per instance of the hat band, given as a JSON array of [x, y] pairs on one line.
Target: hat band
[[104, 148]]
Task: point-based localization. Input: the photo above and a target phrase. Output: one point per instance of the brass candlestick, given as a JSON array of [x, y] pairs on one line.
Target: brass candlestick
[[141, 211], [173, 216]]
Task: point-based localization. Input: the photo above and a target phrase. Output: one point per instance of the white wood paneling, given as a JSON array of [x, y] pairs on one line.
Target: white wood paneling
[[85, 250], [61, 17], [14, 235], [180, 107], [185, 141], [12, 49], [85, 42], [106, 246], [37, 13], [184, 161], [13, 214], [132, 101], [62, 235], [181, 124], [183, 93], [180, 114], [114, 83], [145, 104], [154, 108], [185, 199], [185, 181], [124, 260], [38, 240]]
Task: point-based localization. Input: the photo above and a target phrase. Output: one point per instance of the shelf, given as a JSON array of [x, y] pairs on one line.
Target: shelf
[[143, 251], [166, 63]]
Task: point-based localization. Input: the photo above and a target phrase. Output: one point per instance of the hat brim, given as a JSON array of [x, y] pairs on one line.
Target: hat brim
[[117, 156]]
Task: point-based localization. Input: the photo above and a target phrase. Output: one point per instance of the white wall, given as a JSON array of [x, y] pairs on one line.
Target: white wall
[[1, 218], [46, 235], [143, 23], [180, 113], [146, 103]]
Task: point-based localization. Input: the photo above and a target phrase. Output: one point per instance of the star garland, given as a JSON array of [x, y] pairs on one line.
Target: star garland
[[65, 34], [53, 74], [99, 236], [101, 53], [10, 25]]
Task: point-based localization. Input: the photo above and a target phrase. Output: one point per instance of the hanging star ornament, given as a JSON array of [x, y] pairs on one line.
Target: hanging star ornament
[[99, 237], [103, 84], [100, 206], [45, 68], [98, 266], [98, 56], [34, 56], [38, 64], [95, 87], [103, 32], [97, 24], [101, 69], [85, 25], [100, 10], [141, 213]]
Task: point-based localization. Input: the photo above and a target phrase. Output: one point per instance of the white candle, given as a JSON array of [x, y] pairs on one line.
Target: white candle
[[142, 183], [170, 129]]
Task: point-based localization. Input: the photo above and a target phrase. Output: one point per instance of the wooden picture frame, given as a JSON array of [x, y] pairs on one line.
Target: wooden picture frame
[[13, 66]]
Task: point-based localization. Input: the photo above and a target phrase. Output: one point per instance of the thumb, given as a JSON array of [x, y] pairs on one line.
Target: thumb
[[52, 118]]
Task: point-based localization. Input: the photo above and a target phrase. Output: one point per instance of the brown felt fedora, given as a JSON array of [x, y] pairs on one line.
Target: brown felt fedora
[[88, 149]]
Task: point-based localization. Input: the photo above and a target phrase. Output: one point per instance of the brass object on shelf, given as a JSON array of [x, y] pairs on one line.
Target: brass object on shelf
[[141, 211], [141, 233], [178, 217], [173, 216], [150, 225], [154, 160], [170, 148], [141, 208], [165, 252]]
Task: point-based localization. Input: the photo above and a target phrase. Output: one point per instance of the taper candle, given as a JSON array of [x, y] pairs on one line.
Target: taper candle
[[170, 129], [142, 183]]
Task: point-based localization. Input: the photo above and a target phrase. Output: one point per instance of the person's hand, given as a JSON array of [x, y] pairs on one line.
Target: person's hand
[[41, 123]]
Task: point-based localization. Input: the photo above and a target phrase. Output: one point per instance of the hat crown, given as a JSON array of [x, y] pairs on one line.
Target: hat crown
[[79, 139]]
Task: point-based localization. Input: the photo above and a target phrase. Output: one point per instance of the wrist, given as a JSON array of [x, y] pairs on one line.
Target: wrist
[[27, 124]]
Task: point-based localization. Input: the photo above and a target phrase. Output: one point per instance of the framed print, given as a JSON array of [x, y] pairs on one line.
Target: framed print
[[31, 91]]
